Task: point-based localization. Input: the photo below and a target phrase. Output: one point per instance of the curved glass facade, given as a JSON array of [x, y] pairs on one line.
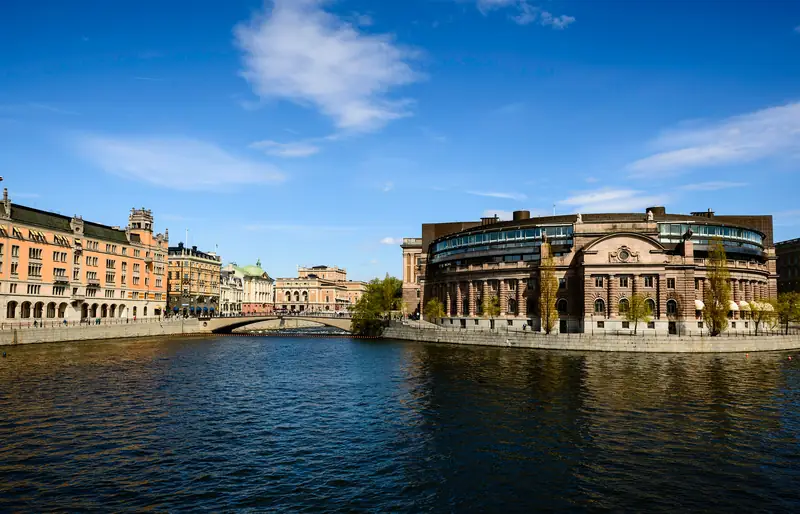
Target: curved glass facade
[[500, 240], [733, 239]]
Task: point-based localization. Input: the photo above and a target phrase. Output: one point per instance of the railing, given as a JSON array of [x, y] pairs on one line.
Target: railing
[[37, 323]]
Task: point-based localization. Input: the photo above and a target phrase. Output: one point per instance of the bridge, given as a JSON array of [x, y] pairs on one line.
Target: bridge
[[227, 325]]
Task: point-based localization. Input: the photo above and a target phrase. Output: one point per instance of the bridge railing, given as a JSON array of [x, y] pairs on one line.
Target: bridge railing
[[290, 314]]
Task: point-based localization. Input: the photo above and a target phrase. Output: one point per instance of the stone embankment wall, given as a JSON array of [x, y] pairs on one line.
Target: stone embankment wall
[[584, 342], [92, 332]]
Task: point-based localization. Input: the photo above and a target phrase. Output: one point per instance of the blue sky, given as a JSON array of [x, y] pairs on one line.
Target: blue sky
[[306, 132]]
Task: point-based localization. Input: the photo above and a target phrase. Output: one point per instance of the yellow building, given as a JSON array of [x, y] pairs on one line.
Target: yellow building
[[193, 281], [57, 267]]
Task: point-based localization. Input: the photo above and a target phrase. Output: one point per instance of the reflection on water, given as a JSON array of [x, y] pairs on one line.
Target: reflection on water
[[314, 424]]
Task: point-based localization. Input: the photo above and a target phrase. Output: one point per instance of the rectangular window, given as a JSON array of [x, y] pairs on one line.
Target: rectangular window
[[562, 283], [14, 251], [59, 290], [670, 283], [158, 282], [35, 253], [135, 253], [598, 281], [109, 278], [601, 324], [626, 324], [91, 292], [733, 324], [14, 268], [146, 281], [91, 275], [648, 281], [136, 281], [697, 283], [76, 259], [651, 324], [108, 248], [124, 251], [699, 324], [623, 281], [12, 288], [60, 272], [136, 268], [34, 270], [34, 289], [111, 263], [76, 273]]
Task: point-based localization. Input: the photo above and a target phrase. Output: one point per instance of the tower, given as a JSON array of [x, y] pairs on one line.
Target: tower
[[140, 220]]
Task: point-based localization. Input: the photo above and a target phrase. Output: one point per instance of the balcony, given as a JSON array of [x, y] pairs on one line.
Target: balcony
[[76, 297], [61, 281], [93, 282]]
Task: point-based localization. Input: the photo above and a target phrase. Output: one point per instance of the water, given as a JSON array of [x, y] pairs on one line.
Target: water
[[308, 425]]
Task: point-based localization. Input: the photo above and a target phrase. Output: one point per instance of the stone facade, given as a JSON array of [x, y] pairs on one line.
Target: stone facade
[[601, 260], [412, 251], [60, 267], [318, 289], [231, 292], [258, 288], [193, 281], [788, 265]]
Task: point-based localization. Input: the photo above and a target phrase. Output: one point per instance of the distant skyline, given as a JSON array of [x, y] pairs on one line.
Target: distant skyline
[[311, 132]]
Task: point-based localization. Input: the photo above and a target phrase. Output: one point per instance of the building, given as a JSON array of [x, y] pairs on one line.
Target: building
[[318, 289], [601, 260], [193, 281], [60, 267], [231, 292], [412, 252], [258, 296], [788, 253]]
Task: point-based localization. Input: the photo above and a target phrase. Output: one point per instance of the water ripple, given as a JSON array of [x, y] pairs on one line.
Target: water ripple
[[310, 425]]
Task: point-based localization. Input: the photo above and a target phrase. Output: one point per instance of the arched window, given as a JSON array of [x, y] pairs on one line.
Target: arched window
[[651, 306], [26, 310], [62, 310], [11, 310], [38, 309], [623, 306], [672, 307], [599, 306], [512, 306], [145, 311], [561, 306], [51, 310]]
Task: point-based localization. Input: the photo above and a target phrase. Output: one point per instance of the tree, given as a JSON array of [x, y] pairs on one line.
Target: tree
[[718, 292], [380, 298], [638, 310], [548, 289], [434, 309], [762, 312], [787, 309], [491, 308]]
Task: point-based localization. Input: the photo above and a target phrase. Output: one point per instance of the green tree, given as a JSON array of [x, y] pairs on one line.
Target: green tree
[[762, 313], [491, 308], [548, 289], [718, 291], [787, 309], [434, 309], [379, 300], [638, 310]]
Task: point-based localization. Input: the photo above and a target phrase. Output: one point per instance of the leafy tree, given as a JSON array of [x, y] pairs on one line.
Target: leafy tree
[[787, 309], [380, 298], [491, 308], [638, 310], [548, 289], [718, 292], [762, 313], [434, 309]]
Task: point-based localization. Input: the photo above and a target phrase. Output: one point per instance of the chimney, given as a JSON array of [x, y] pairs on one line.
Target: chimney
[[521, 215], [489, 221]]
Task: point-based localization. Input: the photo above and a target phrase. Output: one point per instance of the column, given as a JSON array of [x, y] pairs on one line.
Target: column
[[634, 284], [522, 303], [612, 293], [519, 297], [661, 294], [471, 292], [459, 300], [486, 293], [448, 306], [503, 295]]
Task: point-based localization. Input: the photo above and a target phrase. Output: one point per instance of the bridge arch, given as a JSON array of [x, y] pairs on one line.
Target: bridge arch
[[227, 325]]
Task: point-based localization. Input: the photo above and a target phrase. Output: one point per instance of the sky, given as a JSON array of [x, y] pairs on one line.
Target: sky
[[308, 132]]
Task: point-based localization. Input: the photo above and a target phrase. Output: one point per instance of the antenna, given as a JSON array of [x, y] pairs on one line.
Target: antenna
[[554, 209], [187, 237]]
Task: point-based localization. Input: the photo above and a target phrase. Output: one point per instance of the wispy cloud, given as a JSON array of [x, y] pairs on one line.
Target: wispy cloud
[[387, 187], [712, 186], [174, 162], [591, 180], [503, 215], [391, 241], [510, 108], [296, 149], [299, 52], [612, 200], [36, 106], [493, 194], [148, 79], [771, 132], [526, 13], [289, 227], [788, 218]]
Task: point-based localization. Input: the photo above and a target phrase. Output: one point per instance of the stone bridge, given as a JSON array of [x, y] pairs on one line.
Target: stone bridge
[[227, 325]]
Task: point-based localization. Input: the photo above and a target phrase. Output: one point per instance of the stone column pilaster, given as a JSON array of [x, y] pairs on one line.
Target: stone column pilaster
[[522, 303], [661, 294], [471, 295], [459, 300], [612, 293], [448, 304], [486, 293], [503, 296]]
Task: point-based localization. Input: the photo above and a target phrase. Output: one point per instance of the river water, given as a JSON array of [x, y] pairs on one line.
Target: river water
[[310, 425]]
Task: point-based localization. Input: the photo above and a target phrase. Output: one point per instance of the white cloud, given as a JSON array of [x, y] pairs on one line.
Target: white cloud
[[387, 187], [391, 241], [712, 186], [526, 13], [591, 180], [767, 133], [175, 162], [298, 51], [503, 215], [296, 149], [491, 194], [612, 200]]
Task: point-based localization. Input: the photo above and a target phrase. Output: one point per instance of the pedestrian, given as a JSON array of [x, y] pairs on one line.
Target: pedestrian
[[65, 322], [34, 324]]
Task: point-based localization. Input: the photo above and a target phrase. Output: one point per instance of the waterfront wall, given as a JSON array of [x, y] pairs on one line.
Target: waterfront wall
[[93, 332], [604, 343]]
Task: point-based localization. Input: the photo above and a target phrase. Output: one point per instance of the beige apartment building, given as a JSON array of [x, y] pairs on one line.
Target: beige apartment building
[[55, 267], [412, 253], [193, 281]]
